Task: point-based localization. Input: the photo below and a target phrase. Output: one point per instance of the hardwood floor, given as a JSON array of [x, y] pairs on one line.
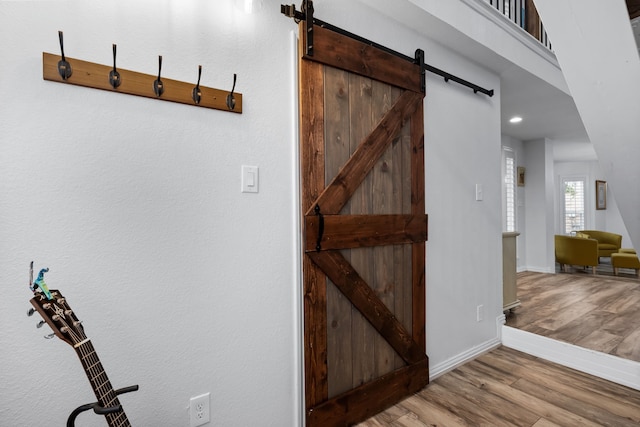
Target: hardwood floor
[[598, 312], [508, 388]]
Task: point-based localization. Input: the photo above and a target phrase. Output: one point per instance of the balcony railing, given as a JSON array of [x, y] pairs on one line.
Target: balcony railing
[[523, 13]]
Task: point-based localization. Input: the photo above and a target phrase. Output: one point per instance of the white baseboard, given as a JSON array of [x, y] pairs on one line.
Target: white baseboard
[[472, 353], [462, 358], [602, 365], [537, 269]]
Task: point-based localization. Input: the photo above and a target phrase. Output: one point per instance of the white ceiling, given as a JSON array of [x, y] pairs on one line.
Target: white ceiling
[[547, 111]]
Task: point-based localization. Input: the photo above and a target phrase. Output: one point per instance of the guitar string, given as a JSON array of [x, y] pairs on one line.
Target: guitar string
[[88, 355], [109, 397], [101, 381], [92, 362]]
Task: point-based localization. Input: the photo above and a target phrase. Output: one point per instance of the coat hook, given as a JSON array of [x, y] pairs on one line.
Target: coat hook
[[196, 94], [64, 68], [158, 87], [114, 75], [231, 100]]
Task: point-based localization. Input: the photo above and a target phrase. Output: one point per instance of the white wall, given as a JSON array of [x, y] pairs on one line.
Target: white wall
[[184, 284], [462, 146], [539, 202]]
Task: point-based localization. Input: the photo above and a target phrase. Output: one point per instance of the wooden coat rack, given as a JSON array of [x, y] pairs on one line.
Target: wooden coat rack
[[59, 68]]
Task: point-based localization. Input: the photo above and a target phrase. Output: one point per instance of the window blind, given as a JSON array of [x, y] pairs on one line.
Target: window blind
[[573, 205], [509, 190]]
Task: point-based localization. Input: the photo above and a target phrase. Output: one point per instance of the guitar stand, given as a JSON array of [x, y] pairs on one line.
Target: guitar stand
[[100, 410]]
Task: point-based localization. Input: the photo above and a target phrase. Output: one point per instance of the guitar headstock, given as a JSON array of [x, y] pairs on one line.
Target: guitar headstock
[[60, 317], [55, 311]]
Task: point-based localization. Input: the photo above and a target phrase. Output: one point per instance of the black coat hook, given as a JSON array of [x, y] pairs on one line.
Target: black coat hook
[[114, 75], [231, 100], [64, 68], [158, 87], [196, 94]]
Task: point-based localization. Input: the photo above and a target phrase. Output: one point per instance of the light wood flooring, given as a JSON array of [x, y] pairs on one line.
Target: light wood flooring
[[597, 312], [508, 388]]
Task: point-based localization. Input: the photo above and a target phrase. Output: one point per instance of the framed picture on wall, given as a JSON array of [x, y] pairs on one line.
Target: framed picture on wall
[[601, 195]]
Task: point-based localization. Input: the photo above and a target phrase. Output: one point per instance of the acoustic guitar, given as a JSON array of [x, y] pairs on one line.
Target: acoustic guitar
[[57, 313]]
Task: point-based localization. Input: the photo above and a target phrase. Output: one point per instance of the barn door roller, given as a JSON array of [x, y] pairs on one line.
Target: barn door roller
[[306, 14]]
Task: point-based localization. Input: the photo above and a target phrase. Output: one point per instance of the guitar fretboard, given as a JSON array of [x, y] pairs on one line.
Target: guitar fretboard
[[100, 383]]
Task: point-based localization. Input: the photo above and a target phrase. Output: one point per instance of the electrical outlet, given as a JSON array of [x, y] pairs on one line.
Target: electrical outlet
[[480, 313], [199, 410]]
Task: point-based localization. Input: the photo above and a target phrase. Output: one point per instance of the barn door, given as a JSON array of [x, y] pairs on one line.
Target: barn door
[[364, 227]]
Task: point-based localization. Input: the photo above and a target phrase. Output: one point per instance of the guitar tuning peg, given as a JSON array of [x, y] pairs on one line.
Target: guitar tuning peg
[[40, 323], [31, 311], [48, 337]]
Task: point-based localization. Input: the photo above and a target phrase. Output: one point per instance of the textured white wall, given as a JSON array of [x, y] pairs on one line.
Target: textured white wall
[[185, 284], [464, 252]]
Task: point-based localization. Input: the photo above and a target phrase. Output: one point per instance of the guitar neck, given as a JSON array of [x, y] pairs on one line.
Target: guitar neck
[[100, 383]]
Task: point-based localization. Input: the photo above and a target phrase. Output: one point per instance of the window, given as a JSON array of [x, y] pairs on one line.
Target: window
[[573, 216], [508, 189]]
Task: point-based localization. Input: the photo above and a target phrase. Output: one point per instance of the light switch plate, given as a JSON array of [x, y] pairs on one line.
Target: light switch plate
[[250, 179], [479, 194]]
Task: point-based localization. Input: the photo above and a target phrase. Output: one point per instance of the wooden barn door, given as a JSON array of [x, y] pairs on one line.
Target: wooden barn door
[[364, 228]]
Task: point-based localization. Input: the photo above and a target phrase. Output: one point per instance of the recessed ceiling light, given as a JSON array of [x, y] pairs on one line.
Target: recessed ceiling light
[[515, 119]]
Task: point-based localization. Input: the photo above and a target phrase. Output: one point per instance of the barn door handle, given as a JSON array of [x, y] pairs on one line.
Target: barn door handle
[[320, 227]]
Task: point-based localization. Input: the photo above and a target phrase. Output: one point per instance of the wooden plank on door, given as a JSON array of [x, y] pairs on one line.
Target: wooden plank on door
[[362, 333], [333, 49], [349, 408], [357, 231], [402, 253], [314, 292], [383, 203], [337, 124], [418, 208]]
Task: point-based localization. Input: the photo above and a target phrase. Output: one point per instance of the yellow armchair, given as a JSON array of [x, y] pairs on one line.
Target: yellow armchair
[[576, 251], [608, 243]]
